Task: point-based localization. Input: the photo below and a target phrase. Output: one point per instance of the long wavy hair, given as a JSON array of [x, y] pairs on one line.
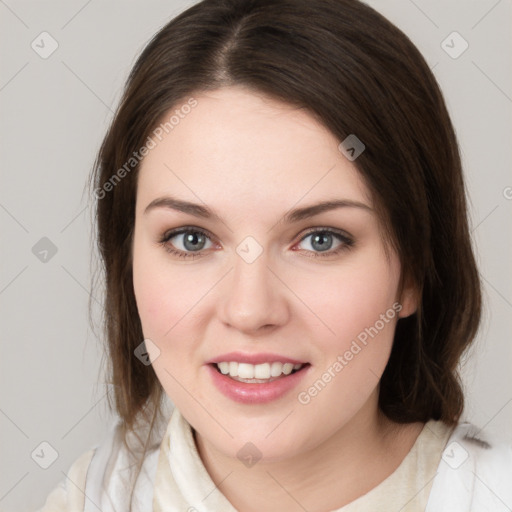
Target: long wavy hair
[[356, 73]]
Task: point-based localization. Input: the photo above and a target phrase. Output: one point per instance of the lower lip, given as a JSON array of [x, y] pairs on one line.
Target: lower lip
[[253, 393]]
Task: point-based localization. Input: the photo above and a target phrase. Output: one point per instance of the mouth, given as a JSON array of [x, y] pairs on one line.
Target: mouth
[[256, 378], [262, 373]]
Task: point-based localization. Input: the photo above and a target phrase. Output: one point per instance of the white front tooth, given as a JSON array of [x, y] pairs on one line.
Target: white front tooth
[[276, 369], [287, 368], [233, 369], [297, 366], [262, 371], [223, 367], [246, 371]]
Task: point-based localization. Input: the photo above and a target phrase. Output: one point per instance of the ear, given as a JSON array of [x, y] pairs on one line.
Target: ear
[[409, 299]]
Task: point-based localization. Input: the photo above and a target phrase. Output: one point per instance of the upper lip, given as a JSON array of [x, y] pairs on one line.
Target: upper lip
[[260, 358]]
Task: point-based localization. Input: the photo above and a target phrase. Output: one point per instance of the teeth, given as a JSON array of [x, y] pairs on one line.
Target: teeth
[[256, 371], [276, 369], [287, 368], [223, 367], [262, 371], [245, 371]]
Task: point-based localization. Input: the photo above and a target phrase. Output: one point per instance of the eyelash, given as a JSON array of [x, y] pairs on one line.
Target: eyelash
[[347, 242]]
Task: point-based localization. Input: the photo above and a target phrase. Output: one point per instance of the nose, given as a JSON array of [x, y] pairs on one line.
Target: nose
[[254, 299]]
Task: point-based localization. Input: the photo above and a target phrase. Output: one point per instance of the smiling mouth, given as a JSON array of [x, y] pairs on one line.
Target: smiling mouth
[[257, 373]]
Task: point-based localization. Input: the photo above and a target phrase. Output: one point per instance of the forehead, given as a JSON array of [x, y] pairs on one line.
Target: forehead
[[236, 146]]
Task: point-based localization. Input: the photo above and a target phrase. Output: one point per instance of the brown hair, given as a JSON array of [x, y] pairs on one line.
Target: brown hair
[[358, 74]]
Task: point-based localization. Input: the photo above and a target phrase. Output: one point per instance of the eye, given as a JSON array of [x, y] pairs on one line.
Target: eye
[[190, 242], [184, 242], [320, 242]]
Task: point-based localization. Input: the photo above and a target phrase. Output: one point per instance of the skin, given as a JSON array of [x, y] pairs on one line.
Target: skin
[[251, 159]]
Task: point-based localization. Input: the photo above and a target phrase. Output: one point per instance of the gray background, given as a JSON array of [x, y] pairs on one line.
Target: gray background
[[54, 113]]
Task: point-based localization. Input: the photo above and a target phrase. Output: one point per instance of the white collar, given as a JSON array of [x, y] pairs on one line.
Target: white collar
[[181, 479]]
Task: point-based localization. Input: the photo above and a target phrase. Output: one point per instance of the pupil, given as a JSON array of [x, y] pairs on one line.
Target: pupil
[[192, 240], [320, 239]]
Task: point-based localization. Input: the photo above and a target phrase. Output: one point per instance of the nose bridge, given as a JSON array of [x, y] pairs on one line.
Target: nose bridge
[[254, 298]]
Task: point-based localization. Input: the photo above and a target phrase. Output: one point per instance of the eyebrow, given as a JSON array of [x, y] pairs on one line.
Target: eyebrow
[[290, 217]]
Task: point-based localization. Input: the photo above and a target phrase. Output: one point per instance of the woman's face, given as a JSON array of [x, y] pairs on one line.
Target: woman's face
[[238, 274]]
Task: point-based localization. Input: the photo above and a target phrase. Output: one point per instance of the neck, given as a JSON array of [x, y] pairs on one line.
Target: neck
[[358, 457]]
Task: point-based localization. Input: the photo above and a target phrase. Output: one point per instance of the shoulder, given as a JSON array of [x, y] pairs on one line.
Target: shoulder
[[474, 474], [104, 475], [113, 471], [86, 476], [69, 493]]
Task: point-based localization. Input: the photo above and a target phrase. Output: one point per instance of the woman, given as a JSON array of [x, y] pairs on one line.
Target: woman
[[282, 221]]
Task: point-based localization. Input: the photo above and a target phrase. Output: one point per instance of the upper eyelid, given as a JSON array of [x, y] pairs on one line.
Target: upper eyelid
[[340, 234], [184, 229]]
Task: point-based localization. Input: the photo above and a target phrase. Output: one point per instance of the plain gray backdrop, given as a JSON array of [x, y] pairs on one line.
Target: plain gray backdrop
[[55, 109]]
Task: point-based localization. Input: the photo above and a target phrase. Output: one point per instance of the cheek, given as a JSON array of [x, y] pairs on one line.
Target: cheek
[[354, 302], [164, 294], [152, 298], [165, 299], [359, 305]]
